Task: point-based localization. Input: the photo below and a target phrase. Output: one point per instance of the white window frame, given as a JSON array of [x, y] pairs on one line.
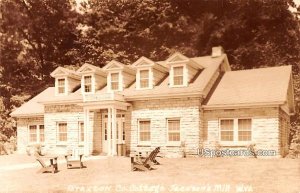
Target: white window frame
[[57, 86], [235, 141], [173, 143], [38, 136], [146, 143], [79, 133], [42, 142], [58, 142], [184, 74], [150, 78], [92, 84], [120, 82]]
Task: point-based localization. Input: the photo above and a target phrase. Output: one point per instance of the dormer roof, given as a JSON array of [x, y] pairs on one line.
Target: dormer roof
[[115, 65], [64, 72], [89, 68], [146, 62], [178, 58]]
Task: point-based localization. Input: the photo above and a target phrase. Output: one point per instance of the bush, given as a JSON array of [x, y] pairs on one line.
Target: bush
[[294, 151]]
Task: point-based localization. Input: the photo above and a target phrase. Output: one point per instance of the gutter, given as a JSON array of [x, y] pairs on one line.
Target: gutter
[[248, 105]]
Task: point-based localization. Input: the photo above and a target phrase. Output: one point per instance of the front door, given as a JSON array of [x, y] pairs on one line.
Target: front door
[[120, 131]]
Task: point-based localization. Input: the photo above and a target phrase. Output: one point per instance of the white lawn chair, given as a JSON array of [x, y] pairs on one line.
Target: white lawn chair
[[74, 158]]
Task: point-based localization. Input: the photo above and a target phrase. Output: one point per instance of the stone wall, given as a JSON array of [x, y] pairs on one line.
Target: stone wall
[[265, 127], [158, 111], [284, 132], [72, 115], [23, 131]]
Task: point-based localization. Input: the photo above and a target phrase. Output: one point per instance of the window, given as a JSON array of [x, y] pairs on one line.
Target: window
[[114, 81], [61, 85], [105, 131], [62, 132], [173, 130], [144, 131], [81, 132], [235, 130], [144, 78], [227, 130], [42, 133], [178, 75], [87, 83], [123, 131], [33, 133], [36, 133], [244, 129]]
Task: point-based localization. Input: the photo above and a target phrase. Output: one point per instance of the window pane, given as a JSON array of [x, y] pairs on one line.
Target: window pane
[[227, 130], [62, 131], [123, 131], [87, 79], [244, 129], [244, 135], [178, 75], [61, 82], [144, 74], [61, 85], [42, 133], [144, 78], [32, 133], [227, 124], [144, 83], [114, 77], [61, 90], [114, 86], [174, 137], [178, 71], [105, 131], [81, 132], [144, 127], [174, 130], [87, 88], [244, 124], [178, 80], [227, 135]]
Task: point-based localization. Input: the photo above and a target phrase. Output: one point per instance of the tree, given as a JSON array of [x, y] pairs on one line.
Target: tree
[[36, 37]]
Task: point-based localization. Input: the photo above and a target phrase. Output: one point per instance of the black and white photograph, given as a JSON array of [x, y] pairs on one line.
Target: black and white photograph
[[150, 96]]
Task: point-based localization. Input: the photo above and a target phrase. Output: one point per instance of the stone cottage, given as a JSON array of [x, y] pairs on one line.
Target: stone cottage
[[181, 104]]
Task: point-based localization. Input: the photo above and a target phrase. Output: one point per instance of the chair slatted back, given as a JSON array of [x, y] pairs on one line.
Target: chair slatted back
[[41, 162]]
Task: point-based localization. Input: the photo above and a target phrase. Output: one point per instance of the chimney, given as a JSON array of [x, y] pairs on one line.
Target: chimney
[[217, 51]]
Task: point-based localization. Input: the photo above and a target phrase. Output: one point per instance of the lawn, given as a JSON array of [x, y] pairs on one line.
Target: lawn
[[112, 174]]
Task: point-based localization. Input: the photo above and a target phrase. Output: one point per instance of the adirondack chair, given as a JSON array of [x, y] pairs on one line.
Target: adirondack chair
[[152, 156], [46, 168], [140, 165], [145, 163], [74, 158]]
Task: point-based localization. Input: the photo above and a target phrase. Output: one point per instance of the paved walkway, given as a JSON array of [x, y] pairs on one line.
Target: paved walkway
[[14, 162]]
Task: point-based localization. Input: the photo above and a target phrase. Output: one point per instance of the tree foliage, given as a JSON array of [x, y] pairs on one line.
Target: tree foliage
[[39, 35]]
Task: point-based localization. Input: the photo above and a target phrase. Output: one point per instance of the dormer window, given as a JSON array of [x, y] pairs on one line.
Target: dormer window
[[144, 78], [61, 86], [178, 76], [114, 81], [87, 83], [182, 70]]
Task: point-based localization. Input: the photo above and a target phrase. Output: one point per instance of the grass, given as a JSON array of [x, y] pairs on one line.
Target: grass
[[220, 174]]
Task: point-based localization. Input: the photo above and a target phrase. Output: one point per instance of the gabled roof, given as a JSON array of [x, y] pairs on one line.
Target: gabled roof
[[33, 107], [88, 68], [115, 65], [64, 72], [178, 58], [197, 87], [146, 62], [255, 86]]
